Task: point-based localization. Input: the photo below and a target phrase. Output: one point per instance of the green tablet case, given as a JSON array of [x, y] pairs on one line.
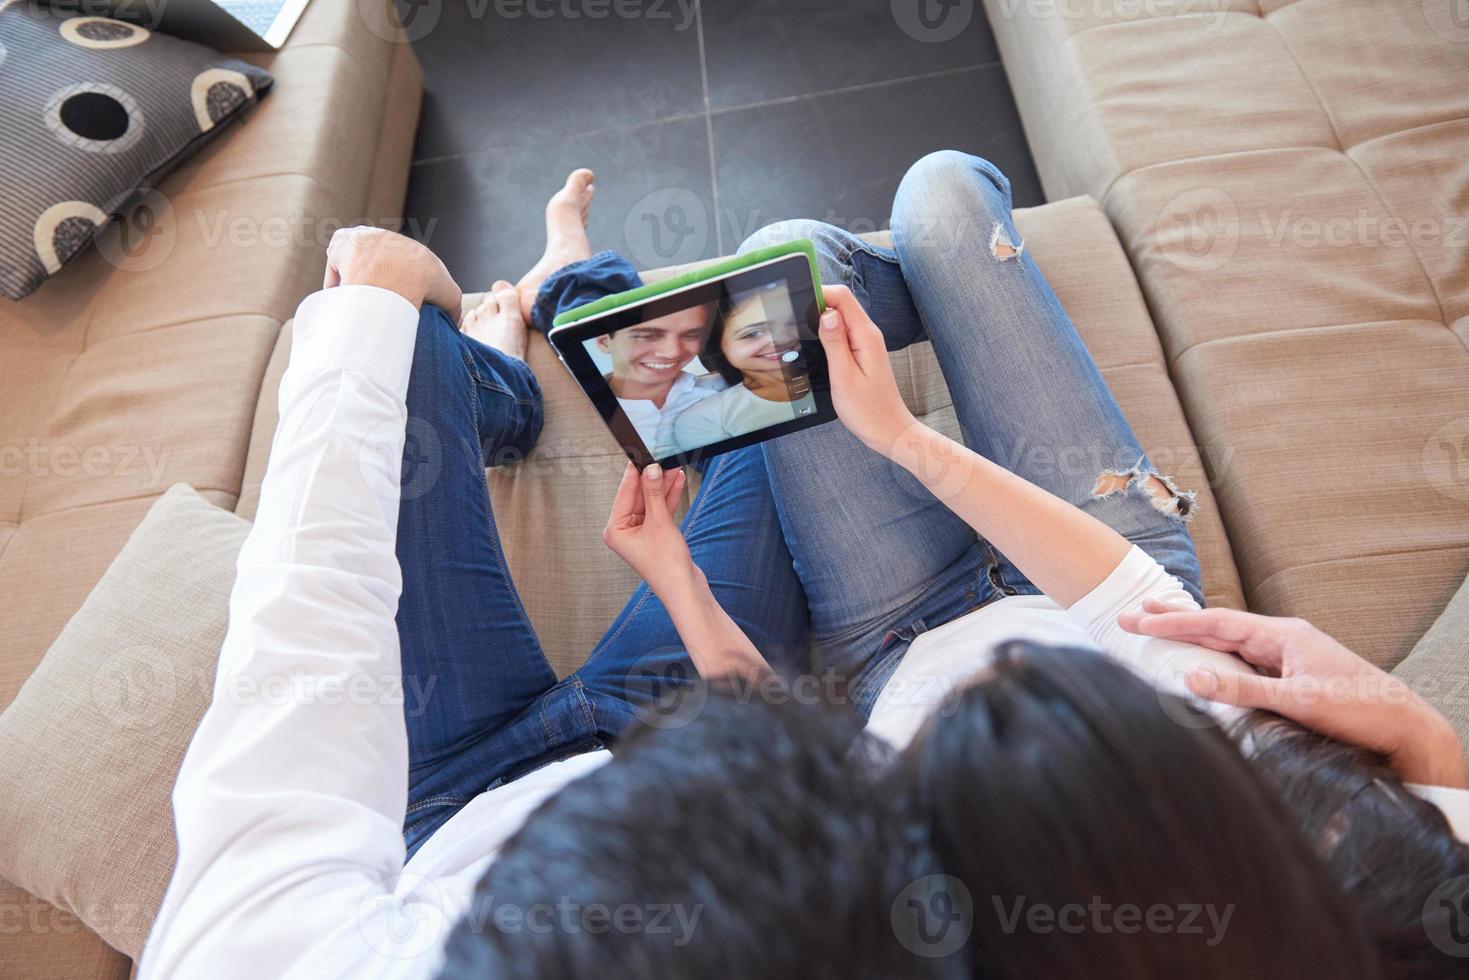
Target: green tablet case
[[715, 271]]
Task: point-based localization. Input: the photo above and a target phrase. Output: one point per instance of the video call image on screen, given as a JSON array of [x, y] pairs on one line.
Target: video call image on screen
[[708, 373]]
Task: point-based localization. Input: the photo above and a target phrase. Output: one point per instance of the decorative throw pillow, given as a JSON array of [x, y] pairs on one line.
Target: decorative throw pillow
[[93, 742], [93, 112]]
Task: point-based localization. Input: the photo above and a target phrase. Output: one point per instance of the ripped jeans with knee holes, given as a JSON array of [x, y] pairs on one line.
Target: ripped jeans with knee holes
[[888, 559]]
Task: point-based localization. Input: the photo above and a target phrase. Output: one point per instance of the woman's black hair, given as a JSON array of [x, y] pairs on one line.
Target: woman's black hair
[[1392, 853], [712, 356], [1097, 836]]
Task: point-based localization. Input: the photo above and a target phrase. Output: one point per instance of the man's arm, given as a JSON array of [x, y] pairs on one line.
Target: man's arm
[[289, 805]]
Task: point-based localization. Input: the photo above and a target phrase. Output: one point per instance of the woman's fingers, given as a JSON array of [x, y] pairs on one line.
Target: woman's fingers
[[839, 361], [863, 337], [629, 494], [673, 493], [655, 495]]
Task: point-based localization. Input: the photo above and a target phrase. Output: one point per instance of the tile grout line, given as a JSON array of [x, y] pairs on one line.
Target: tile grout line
[[724, 110], [850, 89], [709, 127]]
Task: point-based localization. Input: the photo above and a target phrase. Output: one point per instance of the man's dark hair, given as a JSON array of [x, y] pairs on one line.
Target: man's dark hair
[[1390, 851], [1059, 780], [755, 833]]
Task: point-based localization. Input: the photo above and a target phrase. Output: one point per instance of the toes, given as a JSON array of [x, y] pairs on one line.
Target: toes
[[509, 301], [579, 180], [488, 306]]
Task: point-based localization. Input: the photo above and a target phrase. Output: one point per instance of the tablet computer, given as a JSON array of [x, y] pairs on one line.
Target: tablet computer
[[713, 360]]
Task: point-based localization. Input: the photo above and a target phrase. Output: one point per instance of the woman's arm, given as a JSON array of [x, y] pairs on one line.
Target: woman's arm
[[643, 533], [1064, 551]]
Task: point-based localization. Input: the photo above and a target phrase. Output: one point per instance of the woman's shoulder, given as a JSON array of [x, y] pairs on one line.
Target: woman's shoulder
[[717, 404], [706, 414]]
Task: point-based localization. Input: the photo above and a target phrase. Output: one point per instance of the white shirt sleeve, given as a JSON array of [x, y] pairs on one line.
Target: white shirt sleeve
[[1452, 803], [289, 805], [1163, 663]]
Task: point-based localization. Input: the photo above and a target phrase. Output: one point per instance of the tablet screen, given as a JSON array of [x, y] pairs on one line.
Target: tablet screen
[[721, 364]]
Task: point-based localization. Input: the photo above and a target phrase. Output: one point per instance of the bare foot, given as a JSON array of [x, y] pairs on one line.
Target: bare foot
[[566, 235], [497, 322]]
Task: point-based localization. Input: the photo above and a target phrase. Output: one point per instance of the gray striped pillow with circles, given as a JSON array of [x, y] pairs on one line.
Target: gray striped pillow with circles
[[92, 112]]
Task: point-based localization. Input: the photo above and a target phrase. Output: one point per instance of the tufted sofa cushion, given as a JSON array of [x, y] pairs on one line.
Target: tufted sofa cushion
[[140, 365], [1291, 184]]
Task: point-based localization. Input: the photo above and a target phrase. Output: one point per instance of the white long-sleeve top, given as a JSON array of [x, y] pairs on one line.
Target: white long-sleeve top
[[943, 660], [289, 810]]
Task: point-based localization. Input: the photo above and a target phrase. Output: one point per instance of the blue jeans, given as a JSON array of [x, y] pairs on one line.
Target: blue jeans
[[880, 558], [482, 704], [811, 521]]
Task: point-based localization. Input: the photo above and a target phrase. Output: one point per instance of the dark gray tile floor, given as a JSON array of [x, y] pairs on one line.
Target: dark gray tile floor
[[704, 119]]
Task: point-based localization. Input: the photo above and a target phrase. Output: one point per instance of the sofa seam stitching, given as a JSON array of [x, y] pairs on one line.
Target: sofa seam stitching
[[1176, 16], [123, 500], [1443, 313], [1310, 85], [1353, 558], [1287, 331]]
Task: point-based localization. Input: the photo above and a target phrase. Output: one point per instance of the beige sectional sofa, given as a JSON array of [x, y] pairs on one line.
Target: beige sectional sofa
[[1290, 181], [119, 378], [1319, 381]]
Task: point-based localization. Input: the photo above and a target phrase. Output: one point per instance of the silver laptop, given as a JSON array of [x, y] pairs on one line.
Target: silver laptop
[[225, 25]]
